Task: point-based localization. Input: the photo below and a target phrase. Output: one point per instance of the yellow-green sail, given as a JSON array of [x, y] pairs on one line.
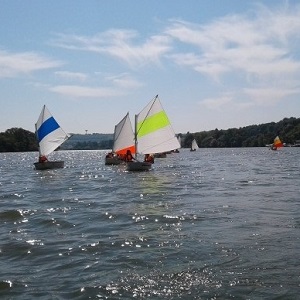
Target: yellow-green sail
[[154, 132]]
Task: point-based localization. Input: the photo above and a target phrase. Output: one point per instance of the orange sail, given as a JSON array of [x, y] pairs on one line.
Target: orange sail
[[277, 142]]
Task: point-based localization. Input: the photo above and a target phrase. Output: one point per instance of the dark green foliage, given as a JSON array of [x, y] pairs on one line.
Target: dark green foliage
[[95, 141], [287, 129], [17, 140], [93, 145]]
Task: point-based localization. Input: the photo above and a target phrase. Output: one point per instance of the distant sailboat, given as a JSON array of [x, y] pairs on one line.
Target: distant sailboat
[[50, 136], [123, 141], [179, 141], [276, 144], [194, 146], [153, 133]]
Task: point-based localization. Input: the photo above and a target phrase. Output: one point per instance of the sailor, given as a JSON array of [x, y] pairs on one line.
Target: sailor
[[129, 156], [43, 159], [149, 158]]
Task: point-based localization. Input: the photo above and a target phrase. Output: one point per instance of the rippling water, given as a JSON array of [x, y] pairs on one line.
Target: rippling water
[[210, 224]]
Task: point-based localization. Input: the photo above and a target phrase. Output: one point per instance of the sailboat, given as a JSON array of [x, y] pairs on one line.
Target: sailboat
[[276, 144], [153, 133], [194, 146], [179, 141], [123, 141], [50, 136]]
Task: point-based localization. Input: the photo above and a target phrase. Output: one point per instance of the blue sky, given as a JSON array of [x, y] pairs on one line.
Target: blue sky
[[214, 64]]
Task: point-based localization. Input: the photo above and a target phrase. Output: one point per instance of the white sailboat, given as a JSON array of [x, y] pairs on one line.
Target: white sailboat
[[153, 133], [194, 146], [50, 136], [123, 141], [179, 141]]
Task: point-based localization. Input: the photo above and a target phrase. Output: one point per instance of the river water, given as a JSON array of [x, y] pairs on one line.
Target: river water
[[210, 224]]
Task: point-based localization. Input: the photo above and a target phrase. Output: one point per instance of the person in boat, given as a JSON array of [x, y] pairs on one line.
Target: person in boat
[[149, 158], [121, 157], [129, 156], [43, 159], [109, 155]]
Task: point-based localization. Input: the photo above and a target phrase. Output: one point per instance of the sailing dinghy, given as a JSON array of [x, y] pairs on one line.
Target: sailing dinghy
[[123, 141], [153, 133], [194, 146], [50, 136], [276, 144]]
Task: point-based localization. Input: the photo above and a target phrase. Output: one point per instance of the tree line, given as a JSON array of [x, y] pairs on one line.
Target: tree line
[[17, 140], [288, 129]]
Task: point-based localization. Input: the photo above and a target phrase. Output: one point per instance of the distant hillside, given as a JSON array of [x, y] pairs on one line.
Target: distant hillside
[[288, 129], [89, 141]]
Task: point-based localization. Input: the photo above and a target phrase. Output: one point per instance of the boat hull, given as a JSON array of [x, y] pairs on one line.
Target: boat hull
[[113, 161], [160, 155], [138, 166], [48, 165]]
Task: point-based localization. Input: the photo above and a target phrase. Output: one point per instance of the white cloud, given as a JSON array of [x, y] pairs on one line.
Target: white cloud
[[15, 64], [253, 56], [237, 43], [84, 92], [216, 103], [270, 95], [125, 81], [72, 75], [119, 44], [247, 55]]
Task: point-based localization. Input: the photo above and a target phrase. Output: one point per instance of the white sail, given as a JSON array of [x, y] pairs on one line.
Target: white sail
[[124, 137], [179, 140], [49, 134], [194, 145], [153, 130]]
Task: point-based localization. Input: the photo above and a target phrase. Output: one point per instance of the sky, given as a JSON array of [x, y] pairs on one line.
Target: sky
[[214, 64]]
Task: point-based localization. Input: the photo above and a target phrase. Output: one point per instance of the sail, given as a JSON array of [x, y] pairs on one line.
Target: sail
[[277, 142], [194, 145], [154, 133], [124, 137], [49, 134], [179, 140]]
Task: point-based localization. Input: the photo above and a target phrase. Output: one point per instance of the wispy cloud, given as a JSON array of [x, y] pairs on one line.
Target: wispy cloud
[[216, 103], [270, 95], [122, 44], [124, 81], [71, 75], [258, 49], [76, 91], [15, 64], [260, 44]]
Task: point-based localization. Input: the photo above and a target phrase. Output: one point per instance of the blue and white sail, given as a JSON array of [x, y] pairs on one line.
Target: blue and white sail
[[49, 134]]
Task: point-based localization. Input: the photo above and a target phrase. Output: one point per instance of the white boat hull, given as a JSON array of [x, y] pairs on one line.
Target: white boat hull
[[48, 165], [138, 166]]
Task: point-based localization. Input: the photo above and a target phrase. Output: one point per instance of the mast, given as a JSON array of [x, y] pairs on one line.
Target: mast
[[135, 135], [37, 138]]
